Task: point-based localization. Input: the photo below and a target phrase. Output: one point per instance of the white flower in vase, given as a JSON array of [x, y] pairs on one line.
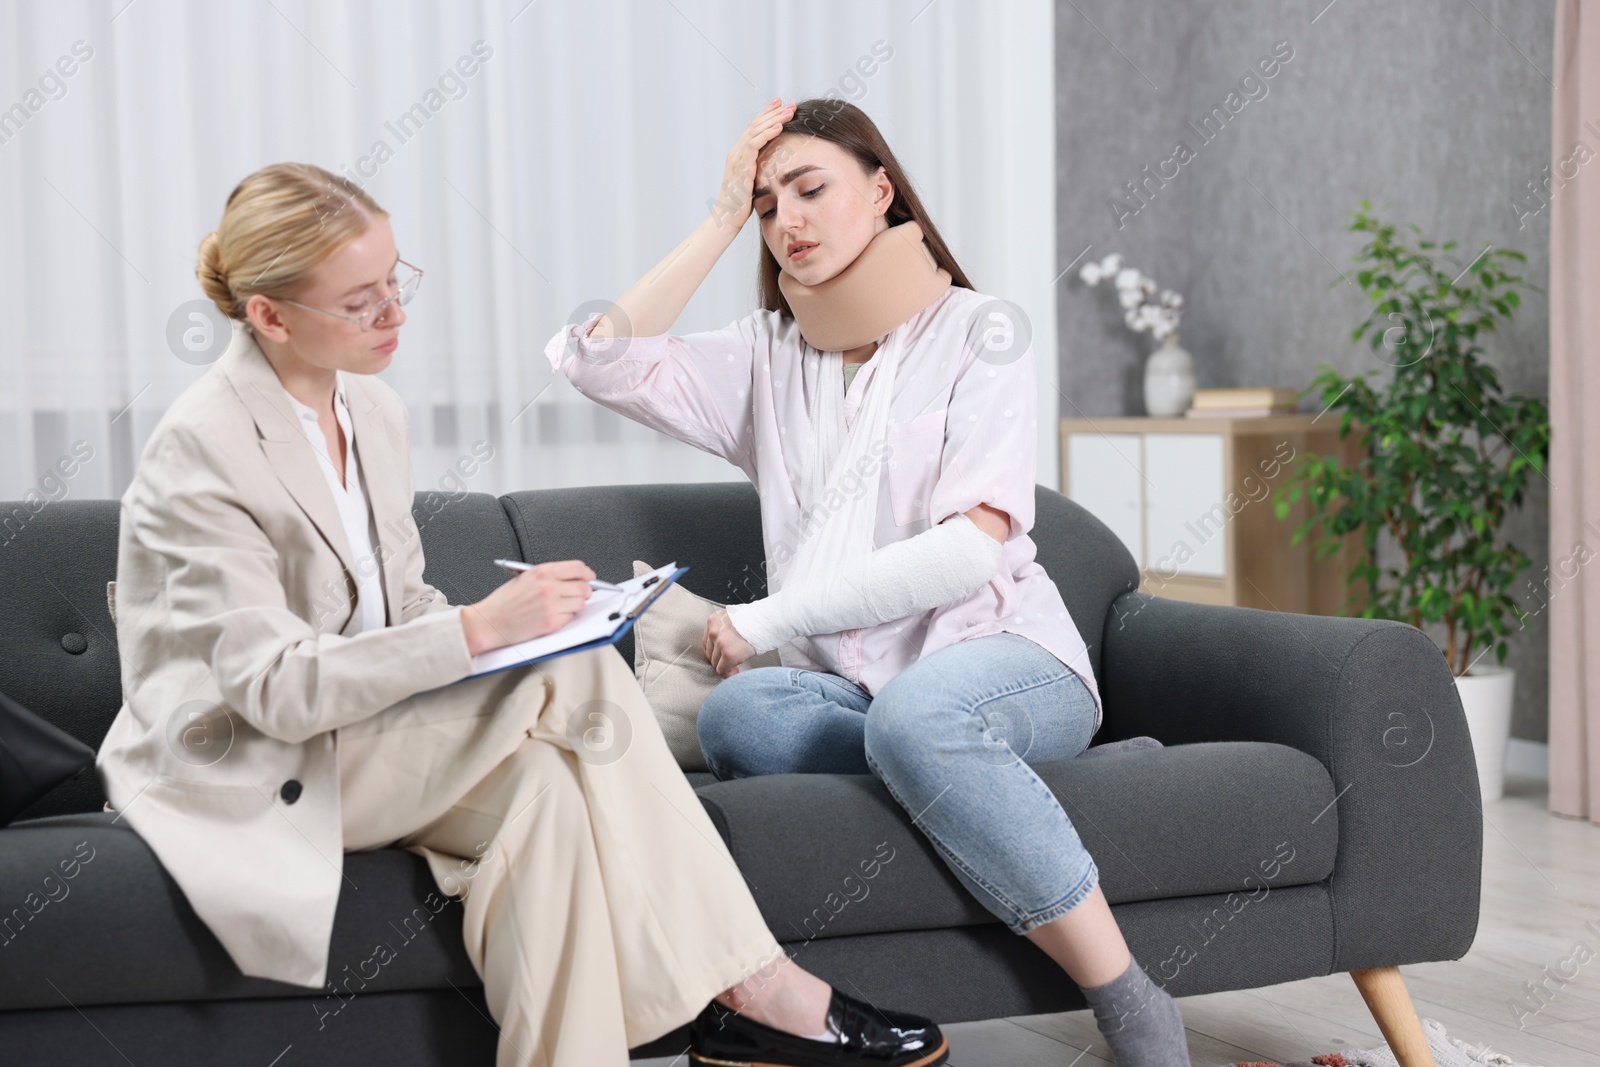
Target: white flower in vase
[[1169, 370]]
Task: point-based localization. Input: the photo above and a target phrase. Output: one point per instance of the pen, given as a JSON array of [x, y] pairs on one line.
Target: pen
[[518, 565]]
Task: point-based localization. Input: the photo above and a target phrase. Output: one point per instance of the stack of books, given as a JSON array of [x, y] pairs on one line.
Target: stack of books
[[1242, 403]]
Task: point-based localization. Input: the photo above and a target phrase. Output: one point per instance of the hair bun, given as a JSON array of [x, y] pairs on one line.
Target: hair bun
[[213, 281], [281, 224]]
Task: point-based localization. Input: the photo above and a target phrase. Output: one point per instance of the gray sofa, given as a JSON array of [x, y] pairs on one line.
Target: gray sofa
[[1315, 810]]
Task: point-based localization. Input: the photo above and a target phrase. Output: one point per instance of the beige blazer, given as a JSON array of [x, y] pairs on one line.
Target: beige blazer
[[234, 588]]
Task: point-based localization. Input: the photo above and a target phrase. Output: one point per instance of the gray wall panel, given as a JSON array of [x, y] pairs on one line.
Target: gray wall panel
[[1438, 108]]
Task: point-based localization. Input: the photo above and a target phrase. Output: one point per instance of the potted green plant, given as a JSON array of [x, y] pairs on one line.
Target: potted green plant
[[1446, 458]]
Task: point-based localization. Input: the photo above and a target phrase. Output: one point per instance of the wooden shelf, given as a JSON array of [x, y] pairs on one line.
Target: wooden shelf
[[1193, 501]]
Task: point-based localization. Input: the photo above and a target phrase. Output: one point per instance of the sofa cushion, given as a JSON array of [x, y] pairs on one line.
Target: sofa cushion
[[713, 528], [58, 643], [825, 855], [90, 909], [673, 670], [831, 855], [1089, 564], [462, 535], [58, 646]]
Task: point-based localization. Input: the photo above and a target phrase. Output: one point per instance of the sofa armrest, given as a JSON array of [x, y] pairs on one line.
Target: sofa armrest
[[1374, 701]]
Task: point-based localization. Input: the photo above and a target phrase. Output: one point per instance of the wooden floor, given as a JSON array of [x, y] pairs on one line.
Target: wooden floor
[[1541, 885]]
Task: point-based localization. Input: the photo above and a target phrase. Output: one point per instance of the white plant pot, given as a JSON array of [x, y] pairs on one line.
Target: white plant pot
[[1168, 379], [1486, 698]]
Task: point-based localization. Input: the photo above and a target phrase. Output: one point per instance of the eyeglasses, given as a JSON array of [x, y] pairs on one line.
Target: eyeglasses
[[369, 315]]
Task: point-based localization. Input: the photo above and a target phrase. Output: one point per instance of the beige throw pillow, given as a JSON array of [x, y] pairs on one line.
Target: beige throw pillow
[[673, 671]]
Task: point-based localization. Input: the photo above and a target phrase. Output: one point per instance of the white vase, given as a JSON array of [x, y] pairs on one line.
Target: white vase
[[1168, 379], [1486, 698]]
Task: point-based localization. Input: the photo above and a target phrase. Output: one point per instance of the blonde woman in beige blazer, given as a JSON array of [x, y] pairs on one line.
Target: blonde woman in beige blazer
[[294, 690]]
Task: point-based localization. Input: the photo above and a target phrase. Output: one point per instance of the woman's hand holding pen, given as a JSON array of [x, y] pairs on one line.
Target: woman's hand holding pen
[[536, 602]]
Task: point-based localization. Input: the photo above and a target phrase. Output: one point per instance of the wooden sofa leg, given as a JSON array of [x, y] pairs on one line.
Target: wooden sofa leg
[[1384, 990]]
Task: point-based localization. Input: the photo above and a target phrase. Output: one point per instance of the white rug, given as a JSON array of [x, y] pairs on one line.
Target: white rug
[[1447, 1052]]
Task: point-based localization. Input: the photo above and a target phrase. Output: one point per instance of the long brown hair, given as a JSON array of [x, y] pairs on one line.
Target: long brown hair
[[848, 127]]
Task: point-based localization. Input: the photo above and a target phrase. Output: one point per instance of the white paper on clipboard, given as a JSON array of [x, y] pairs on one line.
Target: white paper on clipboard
[[605, 612]]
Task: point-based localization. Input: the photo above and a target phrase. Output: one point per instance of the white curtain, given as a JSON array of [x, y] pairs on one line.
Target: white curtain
[[1575, 437], [586, 142]]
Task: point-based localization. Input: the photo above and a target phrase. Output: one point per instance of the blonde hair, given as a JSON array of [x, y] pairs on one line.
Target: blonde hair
[[279, 223]]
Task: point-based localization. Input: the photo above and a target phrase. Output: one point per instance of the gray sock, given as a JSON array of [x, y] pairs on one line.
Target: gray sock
[[1139, 1020]]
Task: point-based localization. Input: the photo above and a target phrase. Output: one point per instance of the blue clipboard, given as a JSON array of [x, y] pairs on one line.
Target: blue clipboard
[[622, 630]]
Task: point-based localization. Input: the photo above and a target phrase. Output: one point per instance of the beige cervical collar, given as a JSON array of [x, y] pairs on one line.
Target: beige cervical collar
[[892, 279]]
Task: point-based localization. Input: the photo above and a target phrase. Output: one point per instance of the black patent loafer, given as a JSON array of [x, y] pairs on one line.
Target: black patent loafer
[[868, 1037]]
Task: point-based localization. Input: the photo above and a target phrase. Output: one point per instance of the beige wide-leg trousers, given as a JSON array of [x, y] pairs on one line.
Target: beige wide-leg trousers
[[602, 908]]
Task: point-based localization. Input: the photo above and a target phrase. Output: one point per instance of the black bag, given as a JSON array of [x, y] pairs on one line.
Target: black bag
[[35, 757]]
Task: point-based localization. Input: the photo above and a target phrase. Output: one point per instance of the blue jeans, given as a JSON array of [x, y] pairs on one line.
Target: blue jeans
[[948, 737]]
